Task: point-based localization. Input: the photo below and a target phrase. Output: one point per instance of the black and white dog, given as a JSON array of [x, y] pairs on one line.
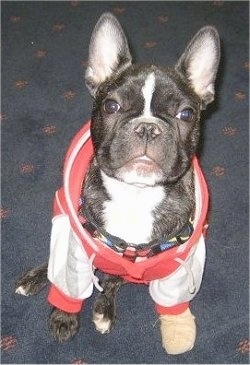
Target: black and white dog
[[143, 192]]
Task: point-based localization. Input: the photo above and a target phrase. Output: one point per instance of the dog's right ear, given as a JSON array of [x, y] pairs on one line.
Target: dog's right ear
[[200, 61], [108, 52]]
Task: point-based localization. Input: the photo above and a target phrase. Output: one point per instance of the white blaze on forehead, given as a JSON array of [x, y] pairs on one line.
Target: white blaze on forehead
[[147, 92]]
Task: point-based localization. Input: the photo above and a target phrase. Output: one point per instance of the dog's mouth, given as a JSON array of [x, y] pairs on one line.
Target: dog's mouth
[[143, 166], [140, 171]]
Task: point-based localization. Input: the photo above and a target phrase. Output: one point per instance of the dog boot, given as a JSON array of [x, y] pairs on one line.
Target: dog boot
[[178, 332]]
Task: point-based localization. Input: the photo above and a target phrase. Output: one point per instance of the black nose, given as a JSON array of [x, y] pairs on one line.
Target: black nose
[[148, 130]]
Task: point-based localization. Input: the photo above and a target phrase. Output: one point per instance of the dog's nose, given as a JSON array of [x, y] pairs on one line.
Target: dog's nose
[[148, 130]]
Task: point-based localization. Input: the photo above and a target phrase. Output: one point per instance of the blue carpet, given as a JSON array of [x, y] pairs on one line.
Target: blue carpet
[[45, 102]]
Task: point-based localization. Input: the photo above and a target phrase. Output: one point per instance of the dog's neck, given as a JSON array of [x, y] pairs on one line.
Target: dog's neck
[[129, 212], [137, 214]]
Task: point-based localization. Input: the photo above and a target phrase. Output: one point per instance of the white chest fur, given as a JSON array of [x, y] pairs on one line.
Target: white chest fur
[[128, 214]]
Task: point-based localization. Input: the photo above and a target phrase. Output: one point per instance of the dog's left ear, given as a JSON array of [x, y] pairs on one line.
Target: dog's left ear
[[199, 63], [108, 52]]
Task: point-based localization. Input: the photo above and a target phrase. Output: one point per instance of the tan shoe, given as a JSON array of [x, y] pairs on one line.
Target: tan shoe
[[178, 332]]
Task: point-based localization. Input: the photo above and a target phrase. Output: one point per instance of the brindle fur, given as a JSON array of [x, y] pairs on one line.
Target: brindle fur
[[65, 325]]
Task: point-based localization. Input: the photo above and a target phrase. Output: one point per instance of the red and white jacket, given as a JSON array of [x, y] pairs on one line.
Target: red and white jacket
[[174, 276]]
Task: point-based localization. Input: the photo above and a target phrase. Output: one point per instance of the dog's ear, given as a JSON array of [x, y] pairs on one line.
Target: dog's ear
[[108, 52], [200, 61]]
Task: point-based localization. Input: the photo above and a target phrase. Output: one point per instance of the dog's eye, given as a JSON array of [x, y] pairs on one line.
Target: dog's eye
[[111, 106], [186, 114]]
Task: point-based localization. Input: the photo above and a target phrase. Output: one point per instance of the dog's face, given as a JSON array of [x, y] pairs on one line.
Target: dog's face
[[145, 121]]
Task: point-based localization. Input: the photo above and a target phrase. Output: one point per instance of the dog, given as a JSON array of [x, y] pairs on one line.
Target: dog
[[143, 196]]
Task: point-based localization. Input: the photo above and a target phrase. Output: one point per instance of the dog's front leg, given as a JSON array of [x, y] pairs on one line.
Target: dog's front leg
[[104, 311], [63, 325]]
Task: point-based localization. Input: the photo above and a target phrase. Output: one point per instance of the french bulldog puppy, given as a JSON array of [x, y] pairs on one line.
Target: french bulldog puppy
[[143, 192]]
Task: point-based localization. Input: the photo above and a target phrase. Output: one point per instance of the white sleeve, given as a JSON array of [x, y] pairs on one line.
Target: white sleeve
[[184, 283], [70, 269]]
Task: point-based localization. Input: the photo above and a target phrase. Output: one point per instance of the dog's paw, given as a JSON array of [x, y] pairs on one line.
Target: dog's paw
[[63, 325], [27, 286], [102, 324], [32, 282], [104, 313]]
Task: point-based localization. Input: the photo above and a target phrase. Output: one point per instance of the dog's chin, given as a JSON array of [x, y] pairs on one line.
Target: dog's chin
[[140, 172]]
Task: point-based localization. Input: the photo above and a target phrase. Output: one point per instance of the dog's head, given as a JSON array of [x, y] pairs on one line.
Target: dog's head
[[145, 120]]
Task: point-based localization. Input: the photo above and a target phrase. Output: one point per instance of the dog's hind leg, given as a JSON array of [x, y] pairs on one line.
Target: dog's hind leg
[[33, 281], [104, 311]]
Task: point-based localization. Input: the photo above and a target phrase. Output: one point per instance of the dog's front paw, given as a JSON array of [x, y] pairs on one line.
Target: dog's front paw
[[63, 325], [102, 324], [103, 314], [33, 281], [178, 332]]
